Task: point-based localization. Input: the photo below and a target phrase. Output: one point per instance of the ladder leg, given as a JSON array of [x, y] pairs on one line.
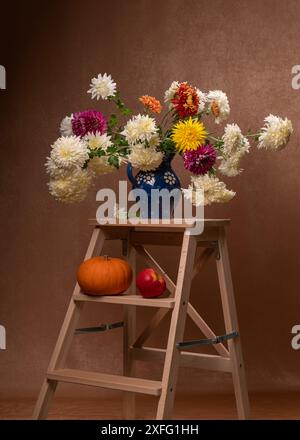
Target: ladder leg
[[129, 336], [45, 397], [59, 354], [172, 359], [65, 336], [231, 324]]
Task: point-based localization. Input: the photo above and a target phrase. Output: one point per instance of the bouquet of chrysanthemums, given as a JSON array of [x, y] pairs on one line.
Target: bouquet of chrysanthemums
[[92, 144]]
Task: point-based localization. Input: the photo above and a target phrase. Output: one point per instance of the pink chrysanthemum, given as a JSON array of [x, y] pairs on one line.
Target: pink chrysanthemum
[[88, 121], [201, 160]]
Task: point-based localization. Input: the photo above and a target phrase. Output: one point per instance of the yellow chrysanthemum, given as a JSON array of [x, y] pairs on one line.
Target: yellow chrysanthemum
[[189, 134]]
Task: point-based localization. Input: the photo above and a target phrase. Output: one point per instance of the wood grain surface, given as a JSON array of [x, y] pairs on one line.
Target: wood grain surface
[[196, 407]]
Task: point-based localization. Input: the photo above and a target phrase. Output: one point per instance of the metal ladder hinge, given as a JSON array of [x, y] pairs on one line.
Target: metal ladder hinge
[[101, 328], [216, 340]]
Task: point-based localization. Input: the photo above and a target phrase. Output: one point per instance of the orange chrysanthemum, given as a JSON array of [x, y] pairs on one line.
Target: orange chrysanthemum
[[152, 103]]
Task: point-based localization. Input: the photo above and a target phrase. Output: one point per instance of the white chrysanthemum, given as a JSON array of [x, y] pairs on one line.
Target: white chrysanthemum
[[214, 191], [276, 133], [72, 187], [54, 170], [234, 147], [202, 100], [219, 105], [102, 86], [234, 141], [100, 165], [69, 152], [140, 128], [145, 158], [154, 141], [66, 126], [170, 93], [96, 141], [231, 167]]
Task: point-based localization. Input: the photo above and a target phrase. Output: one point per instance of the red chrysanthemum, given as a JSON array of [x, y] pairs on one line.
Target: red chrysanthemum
[[186, 101], [201, 160]]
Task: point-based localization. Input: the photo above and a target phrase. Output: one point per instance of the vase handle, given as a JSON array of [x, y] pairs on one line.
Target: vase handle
[[130, 174]]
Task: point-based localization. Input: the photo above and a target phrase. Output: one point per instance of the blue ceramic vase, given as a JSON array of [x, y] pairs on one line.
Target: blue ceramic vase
[[162, 177]]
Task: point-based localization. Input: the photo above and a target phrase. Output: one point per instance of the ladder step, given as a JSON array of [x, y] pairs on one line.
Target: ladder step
[[134, 300], [110, 381]]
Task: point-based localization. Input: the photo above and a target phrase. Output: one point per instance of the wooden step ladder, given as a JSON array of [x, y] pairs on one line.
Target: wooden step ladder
[[134, 238]]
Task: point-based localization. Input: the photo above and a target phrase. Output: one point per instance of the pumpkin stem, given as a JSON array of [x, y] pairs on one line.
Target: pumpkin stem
[[106, 257]]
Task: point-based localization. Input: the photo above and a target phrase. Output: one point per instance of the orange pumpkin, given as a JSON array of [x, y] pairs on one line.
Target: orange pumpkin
[[104, 276]]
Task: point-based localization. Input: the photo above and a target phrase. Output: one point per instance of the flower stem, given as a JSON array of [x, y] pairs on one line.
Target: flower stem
[[253, 135], [213, 138], [163, 121]]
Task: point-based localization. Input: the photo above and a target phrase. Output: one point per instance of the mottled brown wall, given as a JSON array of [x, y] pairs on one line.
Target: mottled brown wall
[[51, 51]]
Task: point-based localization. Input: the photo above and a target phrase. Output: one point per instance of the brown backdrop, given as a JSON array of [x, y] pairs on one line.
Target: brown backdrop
[[50, 53]]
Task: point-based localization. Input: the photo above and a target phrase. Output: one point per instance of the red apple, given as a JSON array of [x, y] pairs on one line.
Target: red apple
[[150, 284]]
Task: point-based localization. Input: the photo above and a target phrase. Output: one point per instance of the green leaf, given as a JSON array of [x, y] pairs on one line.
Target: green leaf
[[114, 161], [126, 111], [111, 149], [100, 153], [167, 145], [113, 120], [96, 153]]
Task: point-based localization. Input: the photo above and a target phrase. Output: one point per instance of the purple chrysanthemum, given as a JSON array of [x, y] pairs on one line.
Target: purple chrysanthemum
[[88, 121], [201, 160]]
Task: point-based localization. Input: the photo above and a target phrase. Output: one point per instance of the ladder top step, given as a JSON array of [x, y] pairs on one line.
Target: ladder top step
[[134, 300], [110, 381], [182, 224]]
